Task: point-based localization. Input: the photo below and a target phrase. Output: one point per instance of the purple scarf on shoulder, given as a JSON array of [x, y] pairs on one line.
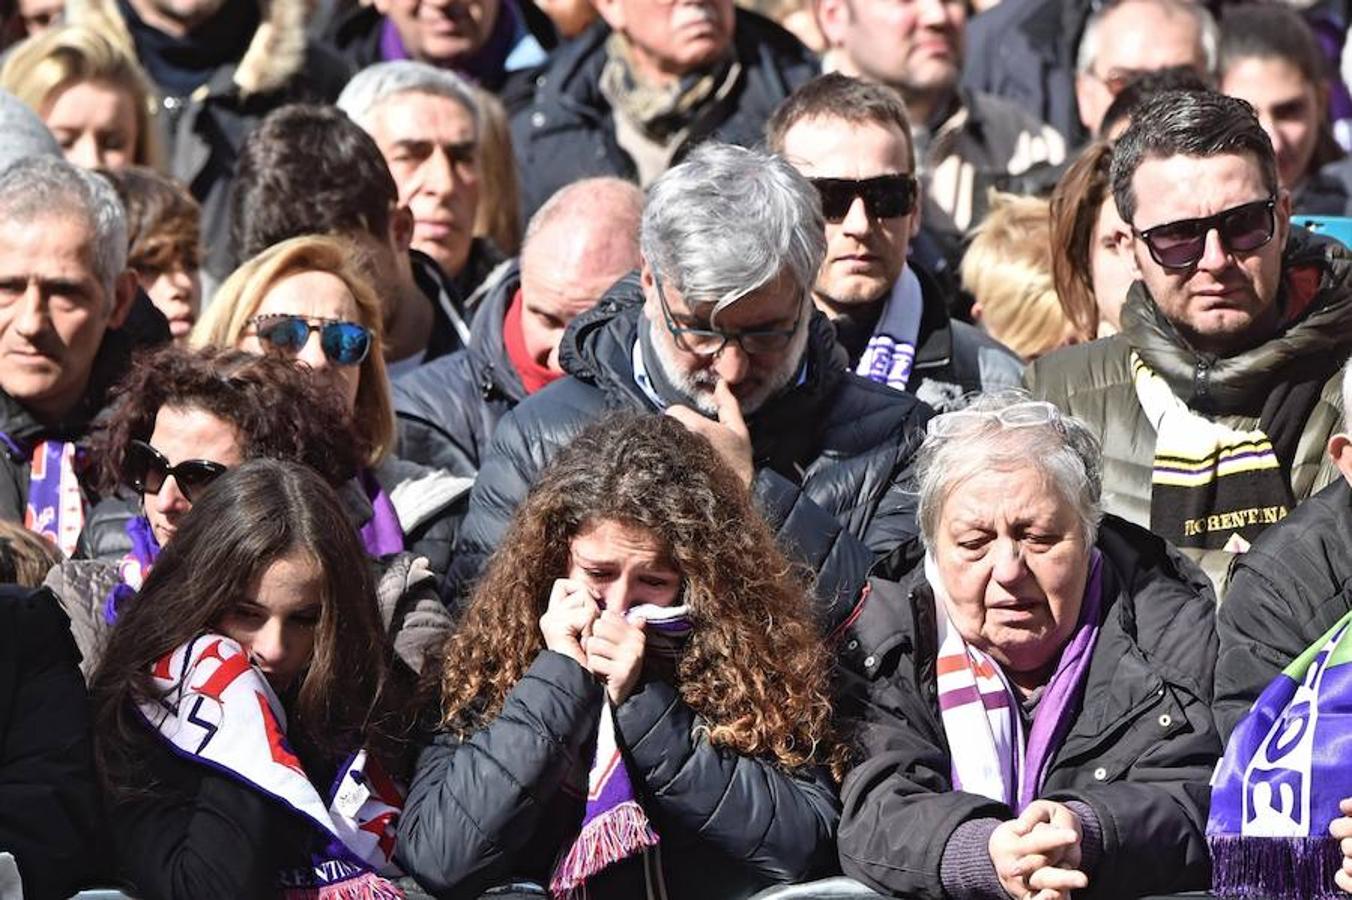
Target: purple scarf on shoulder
[[382, 534]]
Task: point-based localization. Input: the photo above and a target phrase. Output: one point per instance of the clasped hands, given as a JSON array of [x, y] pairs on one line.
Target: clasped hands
[[606, 643], [1037, 855]]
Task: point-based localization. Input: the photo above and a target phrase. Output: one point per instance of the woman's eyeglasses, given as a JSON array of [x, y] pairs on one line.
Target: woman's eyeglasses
[[344, 343], [1242, 229], [885, 196], [146, 470]]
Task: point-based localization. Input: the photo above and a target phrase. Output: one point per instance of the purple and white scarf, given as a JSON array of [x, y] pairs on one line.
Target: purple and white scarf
[[992, 754], [614, 825], [891, 350], [56, 505], [133, 568]]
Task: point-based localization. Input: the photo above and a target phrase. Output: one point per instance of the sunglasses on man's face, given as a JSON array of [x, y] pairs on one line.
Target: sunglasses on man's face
[[344, 343], [885, 196], [1242, 229], [146, 470]]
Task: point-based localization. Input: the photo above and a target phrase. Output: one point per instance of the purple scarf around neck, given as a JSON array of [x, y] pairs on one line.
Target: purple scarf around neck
[[134, 568], [382, 534]]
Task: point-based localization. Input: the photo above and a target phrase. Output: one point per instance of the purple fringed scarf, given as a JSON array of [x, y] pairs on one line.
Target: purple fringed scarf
[[991, 754], [614, 826], [1284, 772], [134, 568], [383, 534]]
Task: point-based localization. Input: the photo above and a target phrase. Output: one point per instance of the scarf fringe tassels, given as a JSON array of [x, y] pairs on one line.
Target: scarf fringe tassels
[[1275, 867], [367, 886], [606, 839]]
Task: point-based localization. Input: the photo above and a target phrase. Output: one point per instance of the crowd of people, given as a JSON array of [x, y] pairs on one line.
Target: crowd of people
[[675, 449]]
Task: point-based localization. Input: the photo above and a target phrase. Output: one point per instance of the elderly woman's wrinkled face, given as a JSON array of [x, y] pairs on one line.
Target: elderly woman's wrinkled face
[[623, 566], [1012, 554]]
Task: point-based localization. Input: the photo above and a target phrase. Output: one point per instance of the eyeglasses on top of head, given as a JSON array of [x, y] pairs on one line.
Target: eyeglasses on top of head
[[707, 342], [146, 469], [344, 343], [1023, 414], [1242, 229], [884, 196]]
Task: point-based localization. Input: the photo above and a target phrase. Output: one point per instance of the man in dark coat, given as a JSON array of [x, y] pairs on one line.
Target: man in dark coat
[[633, 94], [64, 289], [49, 807], [718, 330], [580, 243]]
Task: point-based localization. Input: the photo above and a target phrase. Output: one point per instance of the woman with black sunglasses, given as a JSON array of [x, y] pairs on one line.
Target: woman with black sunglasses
[[181, 419], [306, 300]]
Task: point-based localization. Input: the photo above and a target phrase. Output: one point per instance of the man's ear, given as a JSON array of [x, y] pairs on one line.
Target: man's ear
[[124, 295], [401, 229], [1283, 213], [1340, 451], [833, 18], [612, 11]]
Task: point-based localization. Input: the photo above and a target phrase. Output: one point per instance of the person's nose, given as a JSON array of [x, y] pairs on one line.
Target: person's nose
[[312, 353], [33, 316], [1009, 562], [268, 646], [85, 152], [170, 499], [1214, 255], [856, 221], [438, 175], [732, 363], [932, 13]]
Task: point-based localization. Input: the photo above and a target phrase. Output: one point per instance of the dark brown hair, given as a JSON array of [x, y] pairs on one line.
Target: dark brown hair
[[281, 410], [1075, 205], [352, 694], [837, 96], [755, 668], [163, 220]]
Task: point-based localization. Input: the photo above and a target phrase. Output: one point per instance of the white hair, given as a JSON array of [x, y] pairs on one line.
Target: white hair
[[46, 186], [973, 440], [375, 84], [1087, 52]]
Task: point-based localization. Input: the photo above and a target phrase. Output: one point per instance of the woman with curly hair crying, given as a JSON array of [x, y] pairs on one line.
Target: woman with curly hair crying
[[635, 703]]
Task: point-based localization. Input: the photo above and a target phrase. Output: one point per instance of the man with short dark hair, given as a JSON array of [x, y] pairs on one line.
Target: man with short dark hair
[[1215, 401], [852, 139], [577, 245], [718, 330], [64, 288], [311, 170]]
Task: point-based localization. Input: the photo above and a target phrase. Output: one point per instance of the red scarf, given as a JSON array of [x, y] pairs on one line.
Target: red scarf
[[533, 375]]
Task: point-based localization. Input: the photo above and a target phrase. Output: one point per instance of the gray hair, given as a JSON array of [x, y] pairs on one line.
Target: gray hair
[[727, 221], [44, 186], [375, 84], [1004, 430], [1087, 52], [22, 133]]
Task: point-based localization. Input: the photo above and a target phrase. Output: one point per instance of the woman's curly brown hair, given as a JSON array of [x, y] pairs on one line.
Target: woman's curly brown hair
[[755, 668], [281, 410]]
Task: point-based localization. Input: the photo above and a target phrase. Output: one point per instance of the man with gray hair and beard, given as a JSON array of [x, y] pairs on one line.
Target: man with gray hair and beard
[[718, 329], [64, 289]]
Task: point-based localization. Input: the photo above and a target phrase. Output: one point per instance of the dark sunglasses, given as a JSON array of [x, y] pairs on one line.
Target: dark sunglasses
[[885, 196], [344, 343], [146, 470], [1177, 245]]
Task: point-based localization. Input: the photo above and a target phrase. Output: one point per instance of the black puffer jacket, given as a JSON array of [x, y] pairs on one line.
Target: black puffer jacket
[[832, 454], [1290, 588], [49, 810], [1139, 752], [493, 807], [567, 130], [448, 408]]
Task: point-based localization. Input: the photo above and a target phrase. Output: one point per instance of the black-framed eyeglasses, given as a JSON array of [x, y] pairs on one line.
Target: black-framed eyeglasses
[[884, 196], [1242, 229], [344, 343], [707, 342], [146, 470]]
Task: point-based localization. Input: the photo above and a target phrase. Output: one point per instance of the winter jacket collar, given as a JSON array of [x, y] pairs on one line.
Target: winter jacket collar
[[1236, 383], [487, 347]]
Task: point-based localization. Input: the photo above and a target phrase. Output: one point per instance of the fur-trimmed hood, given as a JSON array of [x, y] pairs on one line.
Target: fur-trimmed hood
[[275, 53]]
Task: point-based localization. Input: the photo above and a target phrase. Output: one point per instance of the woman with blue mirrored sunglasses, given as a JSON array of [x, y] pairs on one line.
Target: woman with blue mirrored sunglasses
[[343, 343]]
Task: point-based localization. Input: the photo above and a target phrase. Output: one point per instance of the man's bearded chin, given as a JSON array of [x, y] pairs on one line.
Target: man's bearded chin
[[697, 387]]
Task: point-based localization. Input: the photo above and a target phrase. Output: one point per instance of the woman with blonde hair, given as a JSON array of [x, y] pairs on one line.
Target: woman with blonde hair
[[90, 92], [637, 620], [307, 299]]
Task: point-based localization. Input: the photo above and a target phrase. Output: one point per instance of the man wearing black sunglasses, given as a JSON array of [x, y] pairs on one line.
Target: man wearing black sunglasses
[[1216, 400], [852, 139]]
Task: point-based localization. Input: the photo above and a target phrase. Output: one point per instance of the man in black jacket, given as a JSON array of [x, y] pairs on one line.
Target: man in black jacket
[[634, 93], [580, 243], [64, 288], [852, 139], [718, 330]]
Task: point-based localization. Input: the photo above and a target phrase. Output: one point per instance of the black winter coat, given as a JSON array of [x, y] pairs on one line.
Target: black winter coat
[[1140, 751], [832, 454], [494, 807], [1285, 592], [49, 811], [448, 408], [567, 129]]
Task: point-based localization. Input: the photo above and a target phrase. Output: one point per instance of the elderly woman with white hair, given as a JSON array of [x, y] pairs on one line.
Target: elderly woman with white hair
[[1030, 681]]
